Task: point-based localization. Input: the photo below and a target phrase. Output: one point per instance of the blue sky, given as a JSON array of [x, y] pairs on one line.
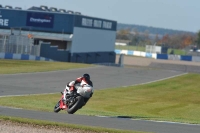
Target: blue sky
[[170, 14]]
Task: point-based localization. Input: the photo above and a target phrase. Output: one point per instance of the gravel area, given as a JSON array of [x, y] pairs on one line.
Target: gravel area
[[10, 127]]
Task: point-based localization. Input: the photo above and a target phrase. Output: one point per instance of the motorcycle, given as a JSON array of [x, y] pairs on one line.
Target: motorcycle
[[76, 100]]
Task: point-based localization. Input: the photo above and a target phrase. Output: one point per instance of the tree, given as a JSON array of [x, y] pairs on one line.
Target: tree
[[165, 39], [175, 41], [198, 39], [123, 34], [156, 38], [187, 40], [135, 37]]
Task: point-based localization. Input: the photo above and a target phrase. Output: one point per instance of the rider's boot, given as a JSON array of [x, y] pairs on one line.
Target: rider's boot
[[64, 101]]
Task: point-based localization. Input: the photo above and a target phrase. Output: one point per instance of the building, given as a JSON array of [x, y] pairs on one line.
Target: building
[[62, 35]]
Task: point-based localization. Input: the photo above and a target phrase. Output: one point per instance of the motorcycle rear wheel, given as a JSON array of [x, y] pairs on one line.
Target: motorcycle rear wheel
[[57, 107], [78, 104]]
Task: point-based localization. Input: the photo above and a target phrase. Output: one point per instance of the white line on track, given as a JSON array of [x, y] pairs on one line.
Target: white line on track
[[6, 107], [172, 122], [28, 95], [158, 80], [92, 67], [149, 120]]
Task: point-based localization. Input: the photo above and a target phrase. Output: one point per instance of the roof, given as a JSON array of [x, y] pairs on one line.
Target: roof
[[42, 8]]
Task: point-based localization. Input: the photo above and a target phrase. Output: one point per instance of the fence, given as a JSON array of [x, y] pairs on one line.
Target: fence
[[18, 44], [159, 56], [153, 49]]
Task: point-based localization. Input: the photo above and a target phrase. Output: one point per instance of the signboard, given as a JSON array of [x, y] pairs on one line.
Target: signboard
[[96, 23], [3, 21], [42, 20]]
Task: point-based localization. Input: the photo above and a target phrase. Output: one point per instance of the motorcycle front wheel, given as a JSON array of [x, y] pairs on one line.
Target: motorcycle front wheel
[[77, 105], [57, 107]]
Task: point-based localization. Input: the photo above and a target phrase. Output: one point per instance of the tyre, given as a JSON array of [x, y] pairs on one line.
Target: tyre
[[78, 104], [57, 107]]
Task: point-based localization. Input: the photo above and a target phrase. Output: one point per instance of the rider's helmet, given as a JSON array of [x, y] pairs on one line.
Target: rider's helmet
[[86, 76]]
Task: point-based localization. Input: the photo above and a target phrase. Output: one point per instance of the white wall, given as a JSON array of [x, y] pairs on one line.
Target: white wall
[[93, 40], [153, 49], [121, 44], [69, 45]]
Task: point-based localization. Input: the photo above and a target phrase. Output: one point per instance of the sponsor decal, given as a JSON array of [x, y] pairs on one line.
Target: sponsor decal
[[37, 20], [40, 20]]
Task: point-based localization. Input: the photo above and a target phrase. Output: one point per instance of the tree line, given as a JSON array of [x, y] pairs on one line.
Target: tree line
[[152, 30], [179, 40]]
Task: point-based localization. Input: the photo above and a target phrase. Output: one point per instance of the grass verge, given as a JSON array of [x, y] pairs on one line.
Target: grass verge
[[62, 126], [175, 99], [21, 66]]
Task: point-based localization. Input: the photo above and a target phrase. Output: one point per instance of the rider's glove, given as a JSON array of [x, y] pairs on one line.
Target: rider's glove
[[83, 85]]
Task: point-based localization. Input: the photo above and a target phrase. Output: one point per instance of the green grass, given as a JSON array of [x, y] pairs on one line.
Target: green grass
[[20, 66], [174, 99], [143, 49], [133, 48], [62, 126], [177, 51]]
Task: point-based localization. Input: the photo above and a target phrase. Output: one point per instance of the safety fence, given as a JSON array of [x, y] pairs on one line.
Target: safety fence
[[136, 53], [18, 45], [22, 57], [159, 56]]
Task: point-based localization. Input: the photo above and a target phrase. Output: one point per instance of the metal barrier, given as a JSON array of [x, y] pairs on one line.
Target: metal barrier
[[19, 45]]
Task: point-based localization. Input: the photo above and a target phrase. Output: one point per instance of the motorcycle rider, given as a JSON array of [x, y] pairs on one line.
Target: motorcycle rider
[[70, 89]]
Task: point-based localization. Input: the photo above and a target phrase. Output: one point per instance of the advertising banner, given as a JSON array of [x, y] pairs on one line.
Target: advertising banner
[[95, 23], [42, 20]]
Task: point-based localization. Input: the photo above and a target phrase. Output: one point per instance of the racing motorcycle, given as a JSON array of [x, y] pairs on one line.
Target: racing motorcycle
[[75, 100]]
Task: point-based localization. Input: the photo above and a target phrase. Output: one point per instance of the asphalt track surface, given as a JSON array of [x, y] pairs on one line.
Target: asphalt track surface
[[102, 77]]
